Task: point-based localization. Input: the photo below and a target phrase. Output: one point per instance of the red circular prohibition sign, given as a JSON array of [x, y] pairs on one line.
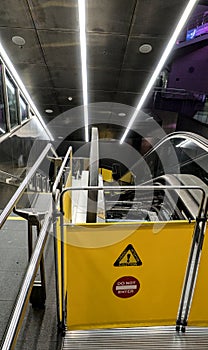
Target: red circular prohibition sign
[[126, 287]]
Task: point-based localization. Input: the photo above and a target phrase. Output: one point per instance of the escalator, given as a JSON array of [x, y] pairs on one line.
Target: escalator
[[180, 159]]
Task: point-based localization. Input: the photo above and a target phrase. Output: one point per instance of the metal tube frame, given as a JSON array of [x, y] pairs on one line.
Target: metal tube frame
[[197, 238], [26, 288], [191, 276], [13, 201], [56, 189]]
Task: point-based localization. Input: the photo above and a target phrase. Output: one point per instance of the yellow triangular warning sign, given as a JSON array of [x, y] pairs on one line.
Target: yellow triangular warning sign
[[128, 257]]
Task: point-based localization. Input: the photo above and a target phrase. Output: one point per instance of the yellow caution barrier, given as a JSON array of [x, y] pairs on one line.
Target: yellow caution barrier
[[123, 275]]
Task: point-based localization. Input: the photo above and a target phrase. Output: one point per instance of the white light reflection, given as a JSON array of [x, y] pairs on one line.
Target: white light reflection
[[15, 75], [160, 64], [83, 51]]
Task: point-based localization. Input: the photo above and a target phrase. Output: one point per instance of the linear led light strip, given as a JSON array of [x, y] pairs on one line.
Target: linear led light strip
[[160, 64], [15, 75], [83, 51]]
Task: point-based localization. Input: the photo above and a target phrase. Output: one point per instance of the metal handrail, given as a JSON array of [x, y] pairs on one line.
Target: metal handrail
[[26, 288], [13, 201], [60, 173], [55, 193], [135, 187]]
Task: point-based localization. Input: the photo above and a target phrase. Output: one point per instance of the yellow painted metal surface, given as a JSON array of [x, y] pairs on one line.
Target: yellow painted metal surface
[[149, 273], [128, 178], [199, 309], [67, 199], [106, 174]]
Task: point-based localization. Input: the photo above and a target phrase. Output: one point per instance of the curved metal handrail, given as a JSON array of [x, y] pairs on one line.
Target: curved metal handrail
[[60, 173], [139, 188]]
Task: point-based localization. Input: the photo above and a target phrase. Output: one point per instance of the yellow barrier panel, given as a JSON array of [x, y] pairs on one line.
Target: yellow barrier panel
[[135, 281], [67, 199], [199, 309]]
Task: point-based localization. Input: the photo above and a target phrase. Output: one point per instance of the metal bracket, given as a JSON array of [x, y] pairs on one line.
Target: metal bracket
[[38, 294]]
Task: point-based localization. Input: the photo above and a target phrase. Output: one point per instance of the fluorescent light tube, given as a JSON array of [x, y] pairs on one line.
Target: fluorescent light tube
[[160, 64], [83, 51], [16, 77]]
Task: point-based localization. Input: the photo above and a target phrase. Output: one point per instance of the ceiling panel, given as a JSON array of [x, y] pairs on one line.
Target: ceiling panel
[[101, 96], [42, 96], [15, 14], [136, 60], [98, 79], [61, 49], [127, 98], [110, 16], [34, 75], [133, 81], [63, 94], [29, 53], [59, 14], [65, 77], [105, 50], [103, 79], [157, 17]]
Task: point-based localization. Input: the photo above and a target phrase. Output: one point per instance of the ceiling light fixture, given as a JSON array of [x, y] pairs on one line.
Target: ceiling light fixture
[[121, 114], [70, 98], [18, 40], [49, 111], [83, 51], [145, 48], [160, 64], [14, 73]]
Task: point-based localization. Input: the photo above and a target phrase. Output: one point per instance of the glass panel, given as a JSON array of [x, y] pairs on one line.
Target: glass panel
[[2, 110], [23, 110], [12, 101]]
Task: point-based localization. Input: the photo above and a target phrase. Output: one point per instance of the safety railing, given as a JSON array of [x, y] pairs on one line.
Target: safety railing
[[194, 256], [15, 198], [16, 317], [56, 190], [27, 285]]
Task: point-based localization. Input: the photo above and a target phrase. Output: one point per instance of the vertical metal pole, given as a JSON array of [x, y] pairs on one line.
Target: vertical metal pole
[[192, 268], [42, 269], [56, 264], [30, 240], [202, 226], [62, 274]]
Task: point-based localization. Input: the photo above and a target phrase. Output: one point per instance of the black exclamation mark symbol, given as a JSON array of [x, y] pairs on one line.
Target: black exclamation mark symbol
[[128, 258]]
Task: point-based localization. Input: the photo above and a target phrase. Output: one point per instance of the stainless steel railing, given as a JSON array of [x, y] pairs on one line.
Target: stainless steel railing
[[16, 317], [26, 288], [13, 201]]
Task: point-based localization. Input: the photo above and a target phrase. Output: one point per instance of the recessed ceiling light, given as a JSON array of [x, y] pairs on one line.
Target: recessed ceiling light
[[70, 98], [145, 48], [18, 40], [60, 137], [121, 114], [49, 111]]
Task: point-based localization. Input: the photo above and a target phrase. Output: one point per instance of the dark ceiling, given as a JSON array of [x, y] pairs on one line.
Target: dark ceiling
[[49, 63]]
